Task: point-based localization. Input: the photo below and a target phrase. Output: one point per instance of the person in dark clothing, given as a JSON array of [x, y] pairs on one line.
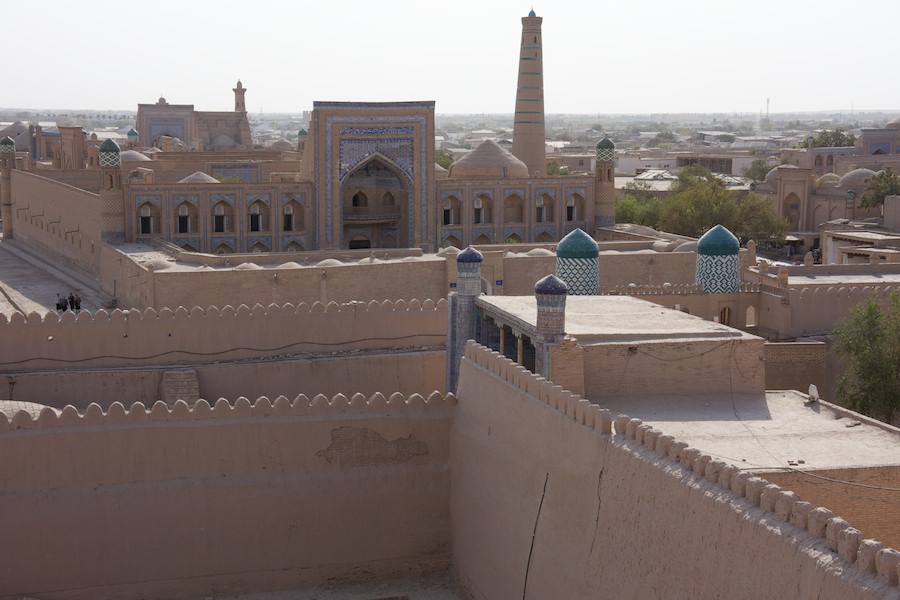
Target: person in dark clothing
[[71, 301], [60, 303], [77, 303]]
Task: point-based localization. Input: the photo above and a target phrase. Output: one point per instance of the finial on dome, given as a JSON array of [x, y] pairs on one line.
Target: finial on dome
[[532, 13]]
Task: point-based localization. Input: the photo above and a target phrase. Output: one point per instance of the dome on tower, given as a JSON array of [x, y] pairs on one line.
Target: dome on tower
[[109, 145], [7, 145], [551, 285], [132, 133], [488, 161], [718, 241], [606, 144], [469, 255], [577, 244], [531, 13]]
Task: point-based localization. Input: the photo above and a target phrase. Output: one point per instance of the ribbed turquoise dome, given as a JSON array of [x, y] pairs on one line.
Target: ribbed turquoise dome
[[606, 144], [551, 285], [469, 255], [577, 244], [718, 241], [109, 146], [132, 133]]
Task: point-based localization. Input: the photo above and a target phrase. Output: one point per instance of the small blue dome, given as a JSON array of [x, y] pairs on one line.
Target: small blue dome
[[532, 13], [551, 285], [606, 144], [577, 244], [718, 241], [132, 133], [469, 255], [109, 146], [7, 144]]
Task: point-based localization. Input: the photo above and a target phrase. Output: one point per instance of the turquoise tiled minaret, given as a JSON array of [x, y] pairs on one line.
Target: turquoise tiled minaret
[[577, 263], [718, 264]]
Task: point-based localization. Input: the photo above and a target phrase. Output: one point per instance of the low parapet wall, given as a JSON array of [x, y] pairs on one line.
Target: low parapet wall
[[822, 307], [222, 499], [548, 503], [134, 338]]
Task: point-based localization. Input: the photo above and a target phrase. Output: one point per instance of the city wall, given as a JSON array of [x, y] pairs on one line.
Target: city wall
[[57, 220], [405, 371], [548, 503], [817, 310], [135, 338], [223, 499]]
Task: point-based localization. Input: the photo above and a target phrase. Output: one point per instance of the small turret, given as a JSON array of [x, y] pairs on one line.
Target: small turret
[[718, 262], [577, 263]]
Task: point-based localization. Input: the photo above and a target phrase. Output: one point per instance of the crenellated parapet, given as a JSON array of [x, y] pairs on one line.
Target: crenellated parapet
[[241, 408], [198, 335], [685, 289], [748, 492], [823, 306]]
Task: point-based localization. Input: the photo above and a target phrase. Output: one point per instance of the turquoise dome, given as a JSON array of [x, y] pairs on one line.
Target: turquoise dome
[[532, 13], [469, 255], [718, 241], [132, 133], [551, 285], [577, 244], [109, 146], [7, 145], [606, 144]]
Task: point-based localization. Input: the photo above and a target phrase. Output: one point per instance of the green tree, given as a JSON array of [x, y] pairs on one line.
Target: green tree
[[834, 139], [884, 183], [443, 158], [700, 201], [639, 206], [758, 169], [869, 341]]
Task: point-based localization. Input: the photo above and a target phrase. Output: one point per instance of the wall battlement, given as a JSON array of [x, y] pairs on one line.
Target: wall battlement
[[686, 289], [791, 517], [241, 408], [824, 306], [128, 338]]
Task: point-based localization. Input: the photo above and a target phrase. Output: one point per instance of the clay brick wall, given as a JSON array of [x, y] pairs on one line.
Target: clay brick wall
[[135, 338], [817, 310], [795, 365], [58, 220], [222, 500], [405, 371], [422, 278], [863, 496], [547, 503], [680, 367]]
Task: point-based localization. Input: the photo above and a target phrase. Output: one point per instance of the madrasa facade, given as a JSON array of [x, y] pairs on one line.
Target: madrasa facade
[[362, 176]]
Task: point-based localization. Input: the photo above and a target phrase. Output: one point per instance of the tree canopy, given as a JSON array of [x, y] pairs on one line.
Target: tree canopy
[[701, 201], [869, 340], [758, 169], [833, 139], [884, 183], [697, 202], [443, 158]]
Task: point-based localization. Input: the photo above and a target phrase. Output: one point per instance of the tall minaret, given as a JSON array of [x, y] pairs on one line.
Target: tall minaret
[[112, 194], [528, 127], [239, 104], [7, 165]]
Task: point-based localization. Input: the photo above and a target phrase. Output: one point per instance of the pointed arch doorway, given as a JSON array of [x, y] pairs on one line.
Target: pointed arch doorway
[[375, 205]]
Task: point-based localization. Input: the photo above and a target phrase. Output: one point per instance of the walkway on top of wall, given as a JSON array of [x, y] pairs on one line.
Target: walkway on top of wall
[[29, 284]]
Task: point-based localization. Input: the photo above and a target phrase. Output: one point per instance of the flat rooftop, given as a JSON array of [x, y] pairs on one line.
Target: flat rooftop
[[611, 319], [765, 431], [801, 281]]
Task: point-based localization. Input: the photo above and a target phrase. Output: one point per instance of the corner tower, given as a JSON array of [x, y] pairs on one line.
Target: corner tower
[[528, 126], [112, 194], [605, 184], [7, 165]]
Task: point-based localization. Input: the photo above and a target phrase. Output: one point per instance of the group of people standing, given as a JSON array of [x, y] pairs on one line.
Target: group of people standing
[[72, 302]]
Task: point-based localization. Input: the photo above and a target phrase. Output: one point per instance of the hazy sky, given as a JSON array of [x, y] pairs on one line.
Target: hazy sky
[[635, 56]]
